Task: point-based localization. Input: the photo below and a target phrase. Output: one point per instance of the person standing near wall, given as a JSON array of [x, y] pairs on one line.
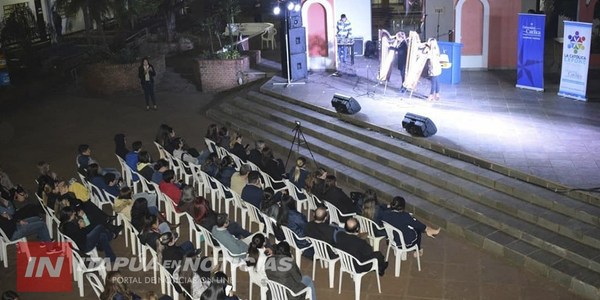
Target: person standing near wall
[[435, 68], [146, 74], [344, 31]]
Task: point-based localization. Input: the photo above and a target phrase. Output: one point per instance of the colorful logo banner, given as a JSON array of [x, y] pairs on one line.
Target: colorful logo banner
[[575, 60], [530, 59]]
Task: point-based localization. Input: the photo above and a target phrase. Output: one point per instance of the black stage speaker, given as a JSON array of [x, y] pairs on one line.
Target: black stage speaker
[[294, 19], [345, 105], [297, 40], [298, 67], [359, 49], [418, 125]]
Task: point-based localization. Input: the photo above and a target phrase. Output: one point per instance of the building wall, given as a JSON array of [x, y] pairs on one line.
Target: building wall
[[504, 19], [472, 24]]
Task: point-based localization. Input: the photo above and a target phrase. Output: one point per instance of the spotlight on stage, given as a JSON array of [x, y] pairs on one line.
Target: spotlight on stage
[[290, 6], [276, 10], [297, 7], [345, 104]]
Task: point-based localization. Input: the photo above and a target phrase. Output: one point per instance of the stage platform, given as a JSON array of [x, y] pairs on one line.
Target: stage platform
[[484, 116]]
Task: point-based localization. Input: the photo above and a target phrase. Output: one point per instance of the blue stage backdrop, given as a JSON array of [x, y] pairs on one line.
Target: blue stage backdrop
[[530, 54]]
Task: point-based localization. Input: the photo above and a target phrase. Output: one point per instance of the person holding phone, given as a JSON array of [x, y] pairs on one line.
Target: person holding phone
[[146, 74]]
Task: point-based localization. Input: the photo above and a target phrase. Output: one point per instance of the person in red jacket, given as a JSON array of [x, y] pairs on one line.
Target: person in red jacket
[[168, 186]]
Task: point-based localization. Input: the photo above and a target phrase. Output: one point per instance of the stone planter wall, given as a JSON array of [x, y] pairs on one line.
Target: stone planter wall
[[106, 79], [216, 75]]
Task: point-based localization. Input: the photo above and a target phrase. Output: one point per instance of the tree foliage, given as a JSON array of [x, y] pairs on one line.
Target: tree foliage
[[19, 27]]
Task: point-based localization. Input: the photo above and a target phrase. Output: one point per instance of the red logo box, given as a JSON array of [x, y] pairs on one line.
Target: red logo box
[[41, 271]]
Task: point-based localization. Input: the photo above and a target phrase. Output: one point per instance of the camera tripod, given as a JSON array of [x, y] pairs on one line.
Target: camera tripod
[[296, 141]]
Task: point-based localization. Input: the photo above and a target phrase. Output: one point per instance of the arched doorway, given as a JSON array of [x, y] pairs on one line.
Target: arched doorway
[[475, 15], [320, 34]]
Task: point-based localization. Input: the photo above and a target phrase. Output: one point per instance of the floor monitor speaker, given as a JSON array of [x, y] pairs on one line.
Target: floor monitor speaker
[[418, 125], [345, 104]]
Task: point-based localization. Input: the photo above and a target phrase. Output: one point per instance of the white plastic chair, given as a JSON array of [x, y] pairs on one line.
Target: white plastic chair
[[268, 37], [335, 214], [96, 283], [280, 291], [183, 170], [208, 240], [126, 175], [173, 216], [400, 251], [291, 238], [153, 256], [255, 278], [100, 197], [235, 260], [131, 235], [210, 185], [226, 195], [193, 230], [322, 250], [80, 268], [348, 265], [240, 204], [211, 145], [5, 242], [166, 279], [49, 215], [254, 216], [161, 150], [369, 227], [301, 202]]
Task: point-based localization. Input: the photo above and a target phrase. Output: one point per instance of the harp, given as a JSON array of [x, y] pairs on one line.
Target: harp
[[416, 59], [389, 44]]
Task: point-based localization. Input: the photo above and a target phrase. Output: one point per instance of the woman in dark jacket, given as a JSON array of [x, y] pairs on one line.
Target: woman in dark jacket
[[120, 145], [226, 170], [146, 74], [86, 236]]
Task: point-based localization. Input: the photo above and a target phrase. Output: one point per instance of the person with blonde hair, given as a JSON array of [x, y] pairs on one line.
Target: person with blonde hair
[[116, 288]]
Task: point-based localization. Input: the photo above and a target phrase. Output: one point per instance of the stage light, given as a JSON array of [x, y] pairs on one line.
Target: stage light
[[297, 7], [290, 6], [276, 10]]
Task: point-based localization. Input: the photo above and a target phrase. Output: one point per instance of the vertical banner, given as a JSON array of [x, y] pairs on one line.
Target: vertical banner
[[575, 60], [530, 54]]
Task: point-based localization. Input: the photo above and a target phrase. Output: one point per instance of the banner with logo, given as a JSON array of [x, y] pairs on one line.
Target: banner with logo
[[530, 54], [575, 60]]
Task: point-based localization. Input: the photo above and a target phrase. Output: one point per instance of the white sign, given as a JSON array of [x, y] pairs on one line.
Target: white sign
[[575, 60]]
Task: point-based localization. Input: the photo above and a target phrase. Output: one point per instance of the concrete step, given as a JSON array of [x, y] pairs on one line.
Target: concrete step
[[583, 196], [450, 194], [466, 223], [491, 188]]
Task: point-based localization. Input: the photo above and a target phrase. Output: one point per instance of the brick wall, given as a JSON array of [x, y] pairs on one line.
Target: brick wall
[[104, 79], [219, 75]]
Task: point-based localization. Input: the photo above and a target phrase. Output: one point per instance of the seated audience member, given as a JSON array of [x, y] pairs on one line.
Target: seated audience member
[[5, 184], [320, 229], [84, 159], [257, 255], [274, 167], [237, 247], [199, 208], [72, 189], [239, 179], [226, 171], [152, 231], [107, 182], [131, 159], [253, 192], [144, 166], [173, 254], [115, 288], [164, 136], [94, 176], [212, 133], [48, 191], [282, 269], [350, 243], [16, 229], [224, 137], [270, 203], [219, 289], [236, 148], [141, 211], [10, 295], [121, 145], [255, 155], [336, 196], [411, 227], [297, 175], [315, 183], [111, 184], [46, 176], [86, 236], [288, 216], [17, 205], [168, 186], [212, 164], [201, 277], [159, 168], [123, 203], [372, 209], [180, 153]]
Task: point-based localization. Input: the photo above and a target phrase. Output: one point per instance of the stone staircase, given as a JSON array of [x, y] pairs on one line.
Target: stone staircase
[[552, 234]]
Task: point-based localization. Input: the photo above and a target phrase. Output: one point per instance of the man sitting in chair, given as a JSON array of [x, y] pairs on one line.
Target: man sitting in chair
[[352, 244]]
